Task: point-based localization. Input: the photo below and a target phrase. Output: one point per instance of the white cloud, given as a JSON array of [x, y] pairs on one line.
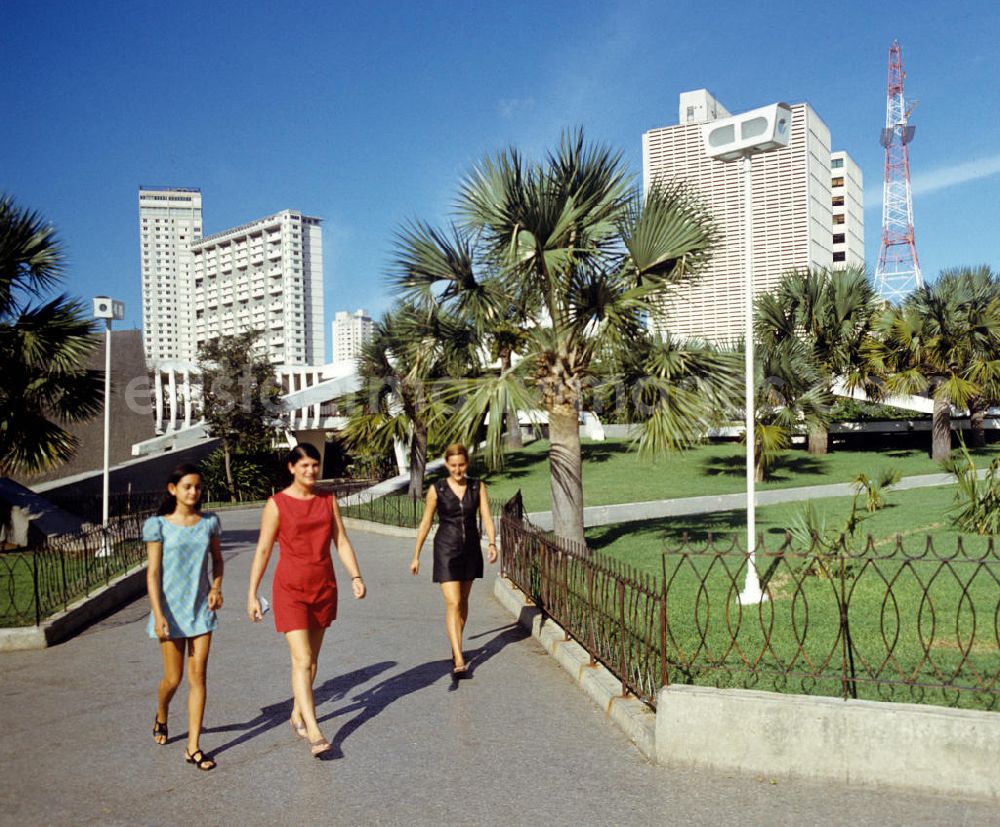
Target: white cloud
[[942, 178], [510, 107]]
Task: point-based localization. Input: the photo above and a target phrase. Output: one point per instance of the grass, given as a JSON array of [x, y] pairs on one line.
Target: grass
[[613, 473]]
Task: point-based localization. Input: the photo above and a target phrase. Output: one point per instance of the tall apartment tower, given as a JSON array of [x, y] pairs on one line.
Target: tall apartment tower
[[268, 276], [848, 214], [350, 331], [793, 212], [169, 221]]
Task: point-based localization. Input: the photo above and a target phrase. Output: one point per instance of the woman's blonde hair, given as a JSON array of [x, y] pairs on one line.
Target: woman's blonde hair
[[455, 449]]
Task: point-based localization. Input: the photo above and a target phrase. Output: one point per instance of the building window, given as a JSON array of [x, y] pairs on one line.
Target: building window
[[838, 201], [837, 163], [837, 182], [838, 238], [841, 256], [838, 219]]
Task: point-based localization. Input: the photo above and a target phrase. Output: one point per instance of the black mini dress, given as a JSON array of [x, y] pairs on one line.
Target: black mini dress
[[457, 552]]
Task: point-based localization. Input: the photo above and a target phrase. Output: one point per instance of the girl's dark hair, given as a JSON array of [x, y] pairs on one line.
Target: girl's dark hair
[[300, 451], [169, 502]]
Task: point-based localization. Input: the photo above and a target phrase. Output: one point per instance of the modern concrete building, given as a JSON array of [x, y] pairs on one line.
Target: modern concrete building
[[350, 331], [268, 276], [847, 200], [169, 221], [793, 212]]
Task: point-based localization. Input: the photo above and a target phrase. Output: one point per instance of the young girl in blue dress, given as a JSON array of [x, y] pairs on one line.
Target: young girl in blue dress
[[180, 542]]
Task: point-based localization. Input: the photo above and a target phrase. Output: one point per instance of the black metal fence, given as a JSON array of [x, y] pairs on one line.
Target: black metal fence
[[36, 584], [395, 509], [880, 624]]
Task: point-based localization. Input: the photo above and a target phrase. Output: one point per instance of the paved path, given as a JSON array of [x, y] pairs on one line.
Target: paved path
[[596, 515], [518, 744]]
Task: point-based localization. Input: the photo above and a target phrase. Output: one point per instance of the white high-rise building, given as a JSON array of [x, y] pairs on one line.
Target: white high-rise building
[[169, 221], [793, 212], [268, 276], [350, 332], [847, 200]]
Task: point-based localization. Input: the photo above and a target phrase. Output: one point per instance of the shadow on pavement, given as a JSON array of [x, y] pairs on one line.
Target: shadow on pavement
[[277, 715], [373, 701]]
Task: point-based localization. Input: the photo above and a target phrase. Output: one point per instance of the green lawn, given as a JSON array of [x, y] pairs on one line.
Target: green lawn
[[613, 473]]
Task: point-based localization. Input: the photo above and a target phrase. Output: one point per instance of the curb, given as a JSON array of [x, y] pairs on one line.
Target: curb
[[633, 717], [123, 589]]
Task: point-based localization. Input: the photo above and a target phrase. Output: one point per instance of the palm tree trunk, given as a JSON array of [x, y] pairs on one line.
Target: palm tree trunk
[[977, 423], [566, 473], [819, 440], [941, 430], [418, 461], [230, 485], [514, 440]]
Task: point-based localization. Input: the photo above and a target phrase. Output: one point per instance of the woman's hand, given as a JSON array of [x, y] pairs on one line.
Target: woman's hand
[[358, 586], [214, 599], [415, 565], [162, 628], [253, 609], [491, 553]]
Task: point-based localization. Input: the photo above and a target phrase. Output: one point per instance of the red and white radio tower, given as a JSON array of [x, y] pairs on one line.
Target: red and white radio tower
[[898, 271]]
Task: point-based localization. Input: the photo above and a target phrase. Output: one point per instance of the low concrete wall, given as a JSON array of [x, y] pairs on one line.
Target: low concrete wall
[[98, 604], [934, 749]]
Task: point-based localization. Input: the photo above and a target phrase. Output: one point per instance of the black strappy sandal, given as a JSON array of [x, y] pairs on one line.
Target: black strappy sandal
[[160, 728], [199, 759]]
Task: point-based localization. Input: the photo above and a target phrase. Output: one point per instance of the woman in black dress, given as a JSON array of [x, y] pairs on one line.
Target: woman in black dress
[[458, 555]]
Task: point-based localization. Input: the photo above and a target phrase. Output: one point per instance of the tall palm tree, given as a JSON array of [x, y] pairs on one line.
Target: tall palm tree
[[410, 352], [942, 341], [832, 313], [44, 347], [587, 258]]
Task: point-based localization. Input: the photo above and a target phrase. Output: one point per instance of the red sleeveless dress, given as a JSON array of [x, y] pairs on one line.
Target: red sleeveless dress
[[304, 593]]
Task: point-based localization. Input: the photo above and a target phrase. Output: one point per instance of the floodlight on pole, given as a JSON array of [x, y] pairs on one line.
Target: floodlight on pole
[[109, 310], [736, 139]]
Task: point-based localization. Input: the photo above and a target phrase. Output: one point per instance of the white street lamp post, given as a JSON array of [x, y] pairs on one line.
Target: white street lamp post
[[730, 139], [109, 310]]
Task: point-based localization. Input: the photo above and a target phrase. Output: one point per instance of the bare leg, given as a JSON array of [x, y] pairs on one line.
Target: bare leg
[[304, 646], [172, 652], [314, 647], [197, 685], [456, 602]]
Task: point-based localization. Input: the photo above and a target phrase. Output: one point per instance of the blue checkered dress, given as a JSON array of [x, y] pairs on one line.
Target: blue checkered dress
[[185, 574]]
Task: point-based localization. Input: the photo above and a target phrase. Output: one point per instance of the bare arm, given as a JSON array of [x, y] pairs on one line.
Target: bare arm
[[430, 506], [491, 531], [262, 556], [346, 552], [154, 575], [218, 567]]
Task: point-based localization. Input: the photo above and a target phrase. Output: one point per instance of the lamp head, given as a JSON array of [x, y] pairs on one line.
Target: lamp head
[[758, 130]]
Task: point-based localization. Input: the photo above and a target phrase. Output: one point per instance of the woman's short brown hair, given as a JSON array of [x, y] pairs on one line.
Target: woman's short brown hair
[[455, 449]]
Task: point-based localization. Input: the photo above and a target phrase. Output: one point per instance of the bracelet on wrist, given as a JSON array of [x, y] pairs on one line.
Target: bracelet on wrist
[[357, 577]]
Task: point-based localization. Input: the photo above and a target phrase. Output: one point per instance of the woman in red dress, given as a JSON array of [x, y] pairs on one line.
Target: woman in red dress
[[305, 586]]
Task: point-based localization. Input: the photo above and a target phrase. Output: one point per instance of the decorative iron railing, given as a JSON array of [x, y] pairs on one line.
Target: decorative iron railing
[[881, 624], [36, 584]]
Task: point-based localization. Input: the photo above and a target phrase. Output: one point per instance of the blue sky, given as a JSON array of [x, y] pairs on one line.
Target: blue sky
[[368, 114]]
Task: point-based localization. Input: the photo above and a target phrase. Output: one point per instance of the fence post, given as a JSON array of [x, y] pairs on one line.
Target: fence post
[[848, 686], [590, 614], [664, 676], [621, 634], [34, 579], [62, 568]]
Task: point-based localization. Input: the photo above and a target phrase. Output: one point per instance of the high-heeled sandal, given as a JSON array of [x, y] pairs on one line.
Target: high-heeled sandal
[[200, 760], [317, 748], [300, 729], [160, 728]]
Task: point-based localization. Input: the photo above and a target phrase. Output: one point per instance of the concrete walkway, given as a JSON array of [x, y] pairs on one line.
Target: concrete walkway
[[596, 515], [517, 744]]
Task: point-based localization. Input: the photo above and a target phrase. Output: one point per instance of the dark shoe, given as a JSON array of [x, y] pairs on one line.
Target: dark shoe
[[159, 731], [200, 760]]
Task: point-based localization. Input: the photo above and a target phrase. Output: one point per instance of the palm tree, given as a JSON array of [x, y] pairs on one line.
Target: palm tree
[[942, 341], [44, 347], [832, 313], [411, 350], [586, 259], [790, 390]]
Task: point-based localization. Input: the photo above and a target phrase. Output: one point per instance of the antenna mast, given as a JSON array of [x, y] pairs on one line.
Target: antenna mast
[[898, 271]]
